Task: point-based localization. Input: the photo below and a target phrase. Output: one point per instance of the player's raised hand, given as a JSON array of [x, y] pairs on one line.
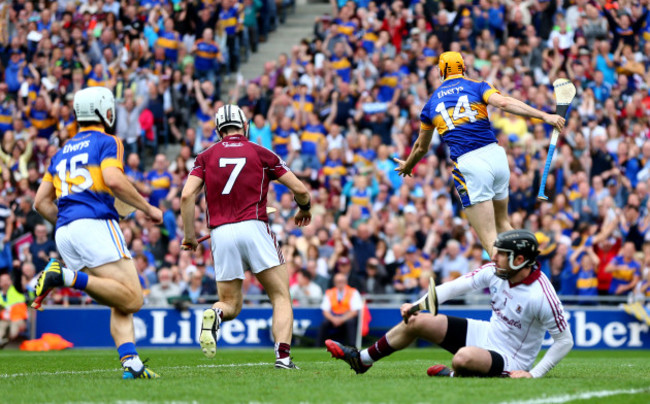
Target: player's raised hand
[[189, 244], [520, 374], [402, 169], [556, 120], [155, 215], [302, 218]]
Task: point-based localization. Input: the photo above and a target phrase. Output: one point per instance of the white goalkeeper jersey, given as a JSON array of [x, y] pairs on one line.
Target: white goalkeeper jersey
[[521, 313]]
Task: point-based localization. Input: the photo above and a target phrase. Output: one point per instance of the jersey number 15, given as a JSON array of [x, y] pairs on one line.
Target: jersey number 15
[[74, 186], [462, 110]]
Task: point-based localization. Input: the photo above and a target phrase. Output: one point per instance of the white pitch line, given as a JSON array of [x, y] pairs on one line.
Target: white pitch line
[[581, 396], [87, 372]]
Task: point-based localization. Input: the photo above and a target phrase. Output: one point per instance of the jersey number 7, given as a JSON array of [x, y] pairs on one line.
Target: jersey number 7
[[462, 110], [239, 164]]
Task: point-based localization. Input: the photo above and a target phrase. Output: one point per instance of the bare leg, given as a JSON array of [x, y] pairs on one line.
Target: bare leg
[[276, 284], [117, 285], [501, 215], [230, 298], [472, 361], [432, 328], [481, 218]]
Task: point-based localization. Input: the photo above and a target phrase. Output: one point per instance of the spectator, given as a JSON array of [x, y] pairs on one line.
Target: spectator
[[160, 181], [625, 270], [13, 311], [163, 290], [406, 278], [341, 306], [305, 292], [42, 249], [451, 264], [585, 262]]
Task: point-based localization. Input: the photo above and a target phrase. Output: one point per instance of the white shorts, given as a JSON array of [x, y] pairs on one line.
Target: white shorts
[[237, 247], [89, 243], [482, 175], [477, 335]]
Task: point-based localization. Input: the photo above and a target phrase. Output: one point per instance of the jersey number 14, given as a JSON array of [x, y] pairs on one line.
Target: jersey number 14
[[462, 110]]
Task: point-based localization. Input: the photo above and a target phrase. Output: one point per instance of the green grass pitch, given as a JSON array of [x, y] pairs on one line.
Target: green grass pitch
[[248, 376]]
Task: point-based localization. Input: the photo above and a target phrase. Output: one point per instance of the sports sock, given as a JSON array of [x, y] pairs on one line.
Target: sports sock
[[219, 313], [282, 350], [376, 351], [129, 356], [75, 279]]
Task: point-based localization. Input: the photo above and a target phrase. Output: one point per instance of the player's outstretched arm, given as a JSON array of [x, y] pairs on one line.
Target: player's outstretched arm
[[514, 106], [301, 195], [420, 149], [119, 183], [562, 345], [44, 202], [191, 190]]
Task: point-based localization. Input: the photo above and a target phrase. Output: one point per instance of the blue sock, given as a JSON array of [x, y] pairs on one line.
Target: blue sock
[[80, 281], [126, 349]]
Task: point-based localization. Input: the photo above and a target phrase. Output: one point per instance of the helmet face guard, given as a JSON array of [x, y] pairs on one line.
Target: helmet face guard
[[516, 243], [230, 116]]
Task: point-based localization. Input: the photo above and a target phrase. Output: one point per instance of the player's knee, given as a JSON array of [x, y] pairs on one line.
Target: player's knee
[[133, 304], [462, 359], [414, 324]]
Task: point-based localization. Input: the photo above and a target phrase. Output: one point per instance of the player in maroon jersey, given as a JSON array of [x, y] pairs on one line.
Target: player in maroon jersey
[[236, 174]]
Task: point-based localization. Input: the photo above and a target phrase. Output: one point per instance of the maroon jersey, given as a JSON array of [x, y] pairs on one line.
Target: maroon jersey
[[236, 174]]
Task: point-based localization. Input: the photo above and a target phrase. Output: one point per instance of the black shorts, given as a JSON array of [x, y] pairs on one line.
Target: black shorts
[[456, 338]]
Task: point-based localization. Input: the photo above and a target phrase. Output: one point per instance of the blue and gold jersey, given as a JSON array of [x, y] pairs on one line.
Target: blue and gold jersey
[[624, 273], [205, 57], [342, 66], [76, 173], [363, 199], [388, 84], [368, 41], [45, 123], [170, 42], [308, 106], [6, 118], [70, 125], [311, 138], [458, 109], [231, 20], [587, 282], [348, 29], [431, 56], [160, 184]]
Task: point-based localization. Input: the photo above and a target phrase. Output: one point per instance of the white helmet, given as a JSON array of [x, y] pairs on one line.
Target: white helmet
[[229, 115], [92, 105]]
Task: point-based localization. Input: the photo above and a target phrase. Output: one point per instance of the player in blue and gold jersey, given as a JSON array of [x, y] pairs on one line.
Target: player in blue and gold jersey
[[84, 177], [169, 40], [458, 111]]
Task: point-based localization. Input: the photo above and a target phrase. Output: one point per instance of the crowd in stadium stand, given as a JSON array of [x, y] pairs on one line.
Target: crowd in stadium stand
[[337, 107]]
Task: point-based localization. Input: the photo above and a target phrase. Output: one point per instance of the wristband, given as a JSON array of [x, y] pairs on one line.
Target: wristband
[[305, 207]]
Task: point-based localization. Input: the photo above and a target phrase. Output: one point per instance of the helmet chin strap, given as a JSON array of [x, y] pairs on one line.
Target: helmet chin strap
[[107, 128]]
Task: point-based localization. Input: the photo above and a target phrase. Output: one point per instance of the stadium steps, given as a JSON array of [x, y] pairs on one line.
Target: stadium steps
[[297, 26]]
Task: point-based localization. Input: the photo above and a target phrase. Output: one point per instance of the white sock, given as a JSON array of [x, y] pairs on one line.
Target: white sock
[[68, 276], [134, 363], [365, 358]]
